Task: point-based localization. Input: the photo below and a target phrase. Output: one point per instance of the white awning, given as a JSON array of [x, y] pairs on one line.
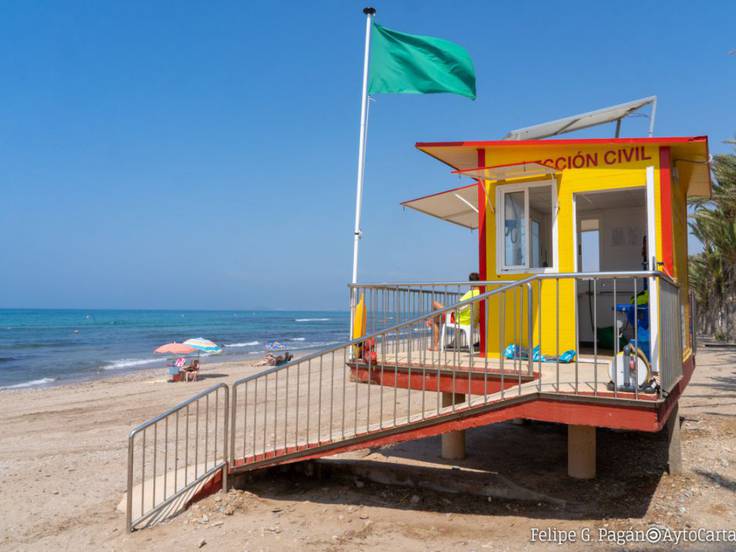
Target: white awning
[[459, 205], [524, 169]]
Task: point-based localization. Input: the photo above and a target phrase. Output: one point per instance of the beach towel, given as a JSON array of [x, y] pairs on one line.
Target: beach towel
[[514, 351]]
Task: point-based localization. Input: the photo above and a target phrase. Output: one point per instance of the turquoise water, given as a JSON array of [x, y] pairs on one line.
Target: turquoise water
[[50, 347]]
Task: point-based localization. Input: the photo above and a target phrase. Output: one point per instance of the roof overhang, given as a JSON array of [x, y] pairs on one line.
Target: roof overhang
[[692, 165], [689, 155], [509, 171], [458, 205]]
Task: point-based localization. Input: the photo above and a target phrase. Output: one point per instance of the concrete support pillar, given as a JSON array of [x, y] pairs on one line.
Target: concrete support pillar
[[453, 442], [581, 451], [674, 453]]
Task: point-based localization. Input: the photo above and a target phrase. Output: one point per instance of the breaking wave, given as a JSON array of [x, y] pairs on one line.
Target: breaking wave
[[246, 344], [31, 383], [129, 363], [311, 319]]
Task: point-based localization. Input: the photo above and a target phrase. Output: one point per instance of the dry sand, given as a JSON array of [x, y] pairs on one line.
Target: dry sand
[[62, 474]]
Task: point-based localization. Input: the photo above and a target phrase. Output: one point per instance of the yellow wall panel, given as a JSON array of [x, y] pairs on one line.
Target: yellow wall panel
[[595, 167]]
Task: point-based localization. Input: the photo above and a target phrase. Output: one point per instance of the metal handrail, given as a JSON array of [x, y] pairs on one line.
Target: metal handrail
[[400, 285], [280, 420], [459, 305], [390, 329], [392, 303], [672, 337], [544, 275], [208, 470], [148, 423], [271, 412]]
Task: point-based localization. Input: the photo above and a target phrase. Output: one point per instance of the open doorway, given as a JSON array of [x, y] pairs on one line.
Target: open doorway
[[611, 235]]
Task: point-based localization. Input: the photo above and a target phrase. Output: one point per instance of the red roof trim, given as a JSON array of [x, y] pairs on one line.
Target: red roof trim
[[574, 141]]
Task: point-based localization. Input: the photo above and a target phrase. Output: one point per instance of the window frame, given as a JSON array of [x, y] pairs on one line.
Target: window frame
[[501, 191]]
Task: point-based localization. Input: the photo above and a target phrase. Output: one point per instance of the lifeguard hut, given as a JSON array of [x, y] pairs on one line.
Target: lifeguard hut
[[582, 255], [593, 235], [582, 316]]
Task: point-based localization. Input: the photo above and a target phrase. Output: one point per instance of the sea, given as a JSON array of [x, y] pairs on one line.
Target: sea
[[52, 347]]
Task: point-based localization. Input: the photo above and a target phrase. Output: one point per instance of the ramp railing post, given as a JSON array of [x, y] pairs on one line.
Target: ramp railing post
[[530, 326], [233, 424], [129, 495], [159, 501], [225, 436]]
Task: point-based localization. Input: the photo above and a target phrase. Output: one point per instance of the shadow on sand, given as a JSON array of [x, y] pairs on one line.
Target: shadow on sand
[[720, 480], [210, 375], [521, 467]]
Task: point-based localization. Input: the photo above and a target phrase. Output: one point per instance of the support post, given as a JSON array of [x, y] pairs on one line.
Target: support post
[[674, 452], [581, 451], [453, 442]]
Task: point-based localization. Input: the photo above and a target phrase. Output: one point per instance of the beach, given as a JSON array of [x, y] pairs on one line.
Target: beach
[[63, 467], [63, 454]]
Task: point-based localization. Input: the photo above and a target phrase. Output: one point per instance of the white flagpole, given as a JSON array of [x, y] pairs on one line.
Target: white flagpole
[[369, 12]]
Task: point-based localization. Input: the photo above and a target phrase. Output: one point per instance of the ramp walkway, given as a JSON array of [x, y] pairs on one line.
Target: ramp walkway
[[386, 387]]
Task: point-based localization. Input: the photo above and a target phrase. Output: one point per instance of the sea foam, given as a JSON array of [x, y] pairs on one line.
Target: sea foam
[[130, 362], [311, 319], [31, 383], [246, 344]]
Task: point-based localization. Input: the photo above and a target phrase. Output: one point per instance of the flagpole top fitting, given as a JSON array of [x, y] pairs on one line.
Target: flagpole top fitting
[[369, 11]]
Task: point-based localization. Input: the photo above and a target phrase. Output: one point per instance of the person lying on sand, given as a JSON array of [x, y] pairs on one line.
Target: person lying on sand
[[275, 360]]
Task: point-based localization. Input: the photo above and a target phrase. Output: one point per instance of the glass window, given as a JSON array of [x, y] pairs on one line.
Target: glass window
[[536, 247], [528, 223], [540, 213], [514, 229]]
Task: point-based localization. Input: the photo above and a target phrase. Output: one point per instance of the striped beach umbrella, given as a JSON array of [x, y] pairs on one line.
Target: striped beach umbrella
[[204, 345]]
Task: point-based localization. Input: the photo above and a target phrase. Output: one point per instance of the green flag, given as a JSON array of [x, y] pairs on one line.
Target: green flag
[[401, 63]]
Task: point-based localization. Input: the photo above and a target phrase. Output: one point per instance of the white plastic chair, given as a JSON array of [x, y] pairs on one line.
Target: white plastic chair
[[467, 331]]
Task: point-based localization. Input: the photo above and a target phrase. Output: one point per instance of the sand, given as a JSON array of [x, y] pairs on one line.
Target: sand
[[62, 474]]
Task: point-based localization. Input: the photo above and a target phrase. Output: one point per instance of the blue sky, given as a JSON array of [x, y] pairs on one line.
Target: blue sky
[[203, 154]]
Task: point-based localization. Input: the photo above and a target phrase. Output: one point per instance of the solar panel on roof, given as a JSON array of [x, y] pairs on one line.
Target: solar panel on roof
[[585, 120]]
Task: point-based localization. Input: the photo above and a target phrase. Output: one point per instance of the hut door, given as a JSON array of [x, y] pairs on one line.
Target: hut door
[[611, 236]]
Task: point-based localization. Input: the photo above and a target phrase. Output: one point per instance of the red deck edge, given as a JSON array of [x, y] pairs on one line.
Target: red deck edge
[[478, 384], [564, 409], [531, 408], [211, 486], [688, 367]]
